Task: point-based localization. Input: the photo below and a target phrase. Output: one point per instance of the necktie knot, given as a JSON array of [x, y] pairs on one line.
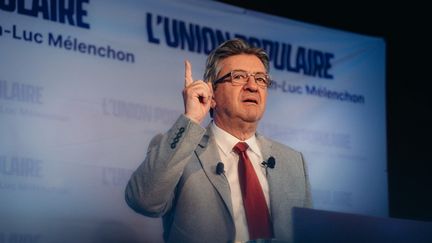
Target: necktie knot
[[240, 147]]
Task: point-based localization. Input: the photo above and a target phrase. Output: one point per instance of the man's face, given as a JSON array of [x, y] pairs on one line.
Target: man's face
[[239, 103]]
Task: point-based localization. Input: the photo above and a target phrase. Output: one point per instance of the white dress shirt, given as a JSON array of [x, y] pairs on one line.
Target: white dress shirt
[[225, 143]]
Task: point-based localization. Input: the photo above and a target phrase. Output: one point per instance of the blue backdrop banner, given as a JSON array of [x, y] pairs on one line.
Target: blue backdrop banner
[[85, 84]]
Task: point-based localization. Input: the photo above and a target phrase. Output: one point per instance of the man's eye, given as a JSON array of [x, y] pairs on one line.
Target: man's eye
[[239, 76], [261, 80]]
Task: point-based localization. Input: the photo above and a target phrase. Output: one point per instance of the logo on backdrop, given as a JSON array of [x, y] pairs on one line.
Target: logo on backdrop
[[19, 166], [202, 39], [73, 13], [300, 60], [28, 174]]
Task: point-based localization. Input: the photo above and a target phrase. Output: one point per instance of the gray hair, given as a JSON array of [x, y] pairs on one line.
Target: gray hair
[[231, 48]]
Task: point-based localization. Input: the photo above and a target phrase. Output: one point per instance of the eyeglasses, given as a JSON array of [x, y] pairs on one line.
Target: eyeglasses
[[241, 77]]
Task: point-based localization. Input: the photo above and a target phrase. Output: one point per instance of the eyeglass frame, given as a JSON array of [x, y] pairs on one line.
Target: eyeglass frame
[[229, 74]]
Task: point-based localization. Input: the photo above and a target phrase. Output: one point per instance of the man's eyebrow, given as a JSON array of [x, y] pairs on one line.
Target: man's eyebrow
[[248, 71]]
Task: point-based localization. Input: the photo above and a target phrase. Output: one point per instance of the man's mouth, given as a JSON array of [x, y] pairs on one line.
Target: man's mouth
[[250, 101]]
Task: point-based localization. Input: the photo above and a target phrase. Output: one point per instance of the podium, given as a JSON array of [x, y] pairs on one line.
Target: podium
[[311, 225]]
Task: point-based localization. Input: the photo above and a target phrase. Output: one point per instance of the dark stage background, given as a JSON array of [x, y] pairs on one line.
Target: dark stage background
[[405, 27]]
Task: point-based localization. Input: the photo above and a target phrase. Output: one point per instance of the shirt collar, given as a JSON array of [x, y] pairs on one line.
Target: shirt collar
[[226, 141]]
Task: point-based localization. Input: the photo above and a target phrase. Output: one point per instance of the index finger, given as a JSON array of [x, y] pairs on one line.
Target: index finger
[[188, 73]]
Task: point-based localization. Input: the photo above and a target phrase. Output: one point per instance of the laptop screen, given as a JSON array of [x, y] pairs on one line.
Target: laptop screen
[[311, 225]]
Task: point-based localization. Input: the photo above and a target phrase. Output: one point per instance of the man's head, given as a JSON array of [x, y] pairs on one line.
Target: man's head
[[238, 99]]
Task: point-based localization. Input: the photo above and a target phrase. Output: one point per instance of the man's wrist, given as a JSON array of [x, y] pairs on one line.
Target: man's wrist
[[195, 120]]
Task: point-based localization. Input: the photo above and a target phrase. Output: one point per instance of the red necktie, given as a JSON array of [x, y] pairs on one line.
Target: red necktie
[[257, 213]]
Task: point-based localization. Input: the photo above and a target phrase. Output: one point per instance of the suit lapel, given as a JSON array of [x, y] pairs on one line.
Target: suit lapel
[[209, 158], [274, 179]]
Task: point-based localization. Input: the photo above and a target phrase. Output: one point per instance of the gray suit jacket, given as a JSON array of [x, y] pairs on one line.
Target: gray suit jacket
[[178, 181]]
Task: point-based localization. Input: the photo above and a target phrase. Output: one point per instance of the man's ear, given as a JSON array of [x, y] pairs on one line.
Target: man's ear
[[213, 102]]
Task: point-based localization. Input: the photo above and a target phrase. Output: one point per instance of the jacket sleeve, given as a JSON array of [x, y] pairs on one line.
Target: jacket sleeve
[[151, 188], [308, 197]]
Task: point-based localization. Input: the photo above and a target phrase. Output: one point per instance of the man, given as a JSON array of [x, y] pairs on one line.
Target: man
[[211, 184]]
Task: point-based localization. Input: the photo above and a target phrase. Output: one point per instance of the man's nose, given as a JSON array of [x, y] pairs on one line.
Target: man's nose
[[251, 83]]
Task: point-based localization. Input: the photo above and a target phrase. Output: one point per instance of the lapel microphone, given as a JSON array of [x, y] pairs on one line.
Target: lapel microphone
[[220, 168], [270, 163]]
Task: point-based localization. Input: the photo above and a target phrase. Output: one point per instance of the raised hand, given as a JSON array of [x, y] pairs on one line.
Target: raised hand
[[197, 96]]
